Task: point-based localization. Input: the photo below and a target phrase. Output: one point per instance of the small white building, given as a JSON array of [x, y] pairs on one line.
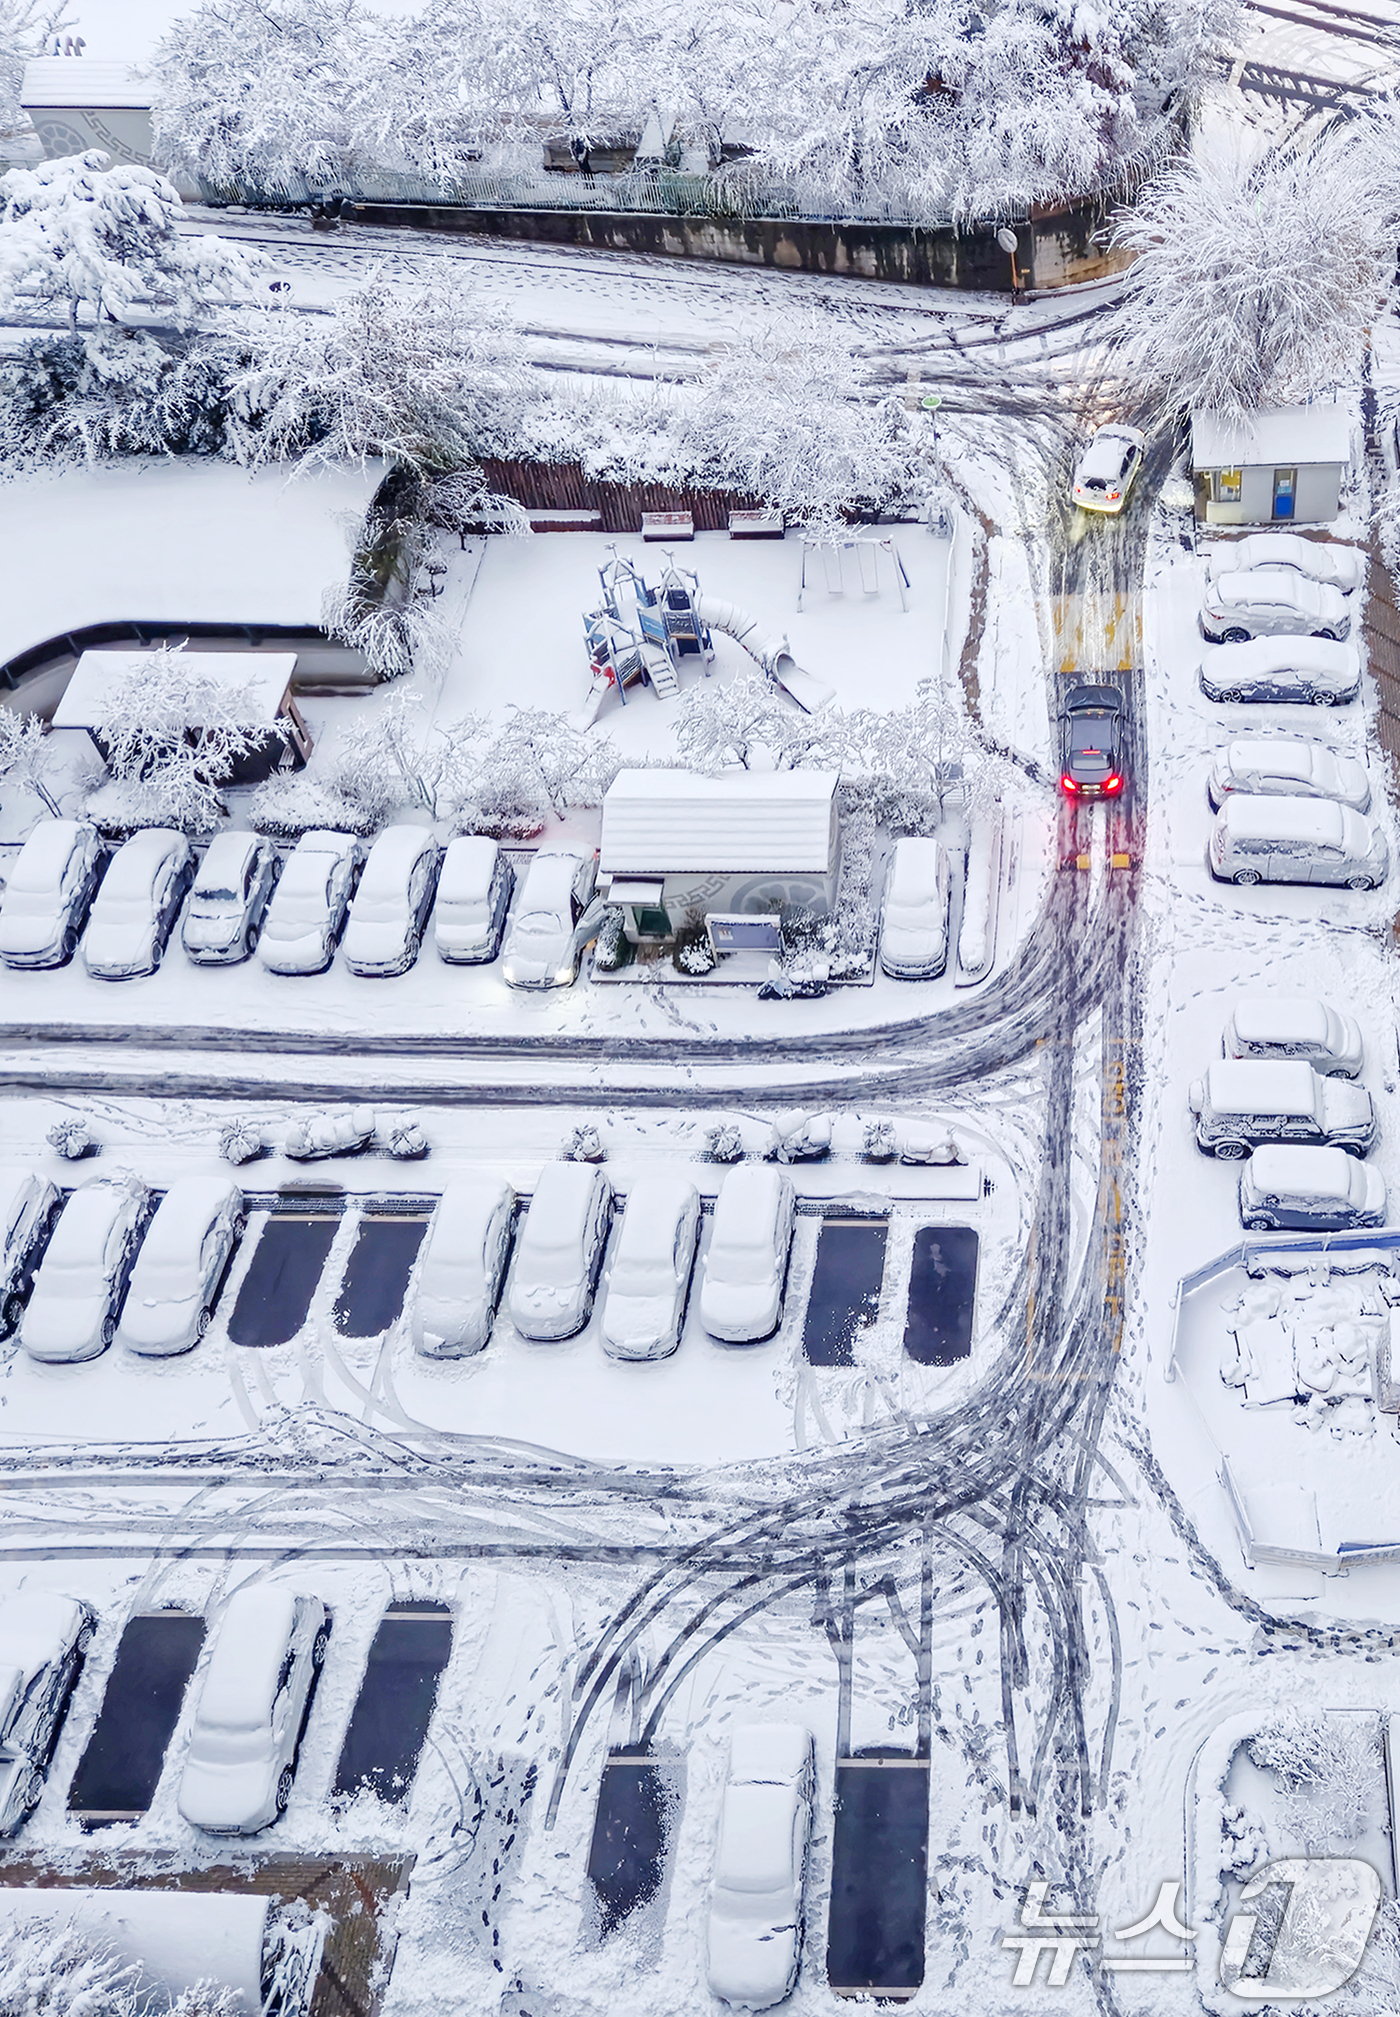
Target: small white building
[[1283, 465], [264, 677], [684, 850], [77, 103]]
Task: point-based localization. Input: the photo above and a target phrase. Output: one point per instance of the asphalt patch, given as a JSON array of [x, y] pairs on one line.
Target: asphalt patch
[[846, 1283], [637, 1802], [395, 1704], [376, 1274], [276, 1292], [879, 1877], [942, 1295], [121, 1767]]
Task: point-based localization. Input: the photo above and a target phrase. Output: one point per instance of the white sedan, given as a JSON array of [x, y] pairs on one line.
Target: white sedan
[[1311, 671], [1272, 602], [1291, 766], [390, 910], [755, 1929], [49, 893], [741, 1297], [1291, 1026], [306, 914], [1326, 560], [539, 948], [180, 1266], [473, 896], [649, 1274], [43, 1640], [1108, 467], [560, 1250], [28, 1204], [914, 928], [231, 893], [463, 1266], [72, 1312], [257, 1689], [137, 905]]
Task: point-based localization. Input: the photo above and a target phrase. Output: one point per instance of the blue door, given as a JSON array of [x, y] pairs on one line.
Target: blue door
[[1285, 485]]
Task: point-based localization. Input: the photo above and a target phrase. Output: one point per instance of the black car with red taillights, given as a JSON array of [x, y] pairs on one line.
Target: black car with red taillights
[[1093, 764]]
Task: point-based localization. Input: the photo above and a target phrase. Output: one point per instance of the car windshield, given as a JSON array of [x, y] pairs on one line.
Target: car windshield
[[652, 1277], [221, 1745], [204, 896], [745, 1266], [536, 923]]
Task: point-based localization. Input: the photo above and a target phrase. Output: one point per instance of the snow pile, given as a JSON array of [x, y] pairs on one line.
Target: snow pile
[[977, 931]]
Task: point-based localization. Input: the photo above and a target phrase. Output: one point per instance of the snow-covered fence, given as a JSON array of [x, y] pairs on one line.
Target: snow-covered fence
[[563, 486], [1355, 1251]]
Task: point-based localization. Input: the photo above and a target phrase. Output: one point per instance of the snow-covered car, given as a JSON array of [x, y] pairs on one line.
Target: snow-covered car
[[1296, 840], [307, 911], [755, 1918], [135, 910], [43, 1641], [1242, 1103], [1107, 468], [28, 1205], [914, 926], [390, 910], [1298, 671], [539, 948], [72, 1312], [463, 1267], [1278, 1026], [181, 1264], [1326, 560], [648, 1275], [1272, 602], [49, 893], [252, 1708], [1092, 764], [473, 896], [339, 1131], [230, 896], [1309, 1190], [741, 1295], [559, 1251], [1287, 767]]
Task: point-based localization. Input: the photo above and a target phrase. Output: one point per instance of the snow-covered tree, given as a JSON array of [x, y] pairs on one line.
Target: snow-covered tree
[[743, 721], [51, 1970], [540, 758], [87, 236], [172, 735], [1257, 274], [25, 752], [27, 29]]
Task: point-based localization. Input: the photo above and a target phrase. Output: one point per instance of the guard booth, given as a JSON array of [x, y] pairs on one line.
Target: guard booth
[[1276, 467], [264, 677], [729, 852]]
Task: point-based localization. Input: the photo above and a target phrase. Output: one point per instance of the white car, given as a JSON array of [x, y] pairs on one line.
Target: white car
[[755, 1919], [257, 1689], [540, 949], [77, 1293], [559, 1251], [463, 1266], [1297, 671], [914, 928], [1342, 567], [390, 910], [135, 910], [1268, 839], [741, 1296], [1289, 767], [1295, 1027], [180, 1266], [43, 1641], [49, 893], [28, 1206], [1108, 467], [1272, 602], [230, 896], [649, 1273], [307, 911], [473, 896], [1301, 1190]]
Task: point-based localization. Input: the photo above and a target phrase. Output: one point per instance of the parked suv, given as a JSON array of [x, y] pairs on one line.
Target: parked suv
[[1268, 839], [1309, 1191], [1243, 1102], [1295, 1027]]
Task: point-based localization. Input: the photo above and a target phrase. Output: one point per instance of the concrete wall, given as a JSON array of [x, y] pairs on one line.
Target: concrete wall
[[1317, 496], [124, 132]]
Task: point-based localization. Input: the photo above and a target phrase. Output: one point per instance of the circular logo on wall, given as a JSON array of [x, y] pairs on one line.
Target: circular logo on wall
[[57, 138]]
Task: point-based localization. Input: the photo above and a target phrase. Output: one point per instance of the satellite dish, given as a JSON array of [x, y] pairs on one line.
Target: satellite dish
[[1007, 239]]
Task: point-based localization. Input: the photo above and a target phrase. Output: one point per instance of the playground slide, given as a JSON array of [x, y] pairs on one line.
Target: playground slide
[[771, 653]]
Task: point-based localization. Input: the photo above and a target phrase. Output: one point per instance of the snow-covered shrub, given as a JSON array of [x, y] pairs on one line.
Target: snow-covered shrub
[[691, 952], [405, 1140], [1257, 272], [881, 1143], [807, 1139], [583, 1144], [612, 949], [72, 1138], [724, 1143], [286, 807], [847, 936], [1330, 1769], [1244, 1845], [240, 1141], [27, 29], [172, 734], [53, 1970], [25, 751]]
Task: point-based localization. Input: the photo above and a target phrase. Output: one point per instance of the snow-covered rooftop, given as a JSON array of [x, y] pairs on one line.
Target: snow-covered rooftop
[[672, 821], [186, 541], [1277, 437], [263, 676], [68, 80]]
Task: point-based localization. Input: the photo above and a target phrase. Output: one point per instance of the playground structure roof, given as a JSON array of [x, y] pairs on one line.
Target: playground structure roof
[[673, 822]]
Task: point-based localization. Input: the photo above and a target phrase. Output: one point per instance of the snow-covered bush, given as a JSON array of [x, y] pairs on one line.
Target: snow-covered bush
[[286, 807], [691, 952], [25, 752], [172, 734], [881, 1142], [1331, 1771], [72, 1139], [724, 1143], [1257, 273], [240, 1141], [612, 948], [405, 1140], [583, 1144], [53, 1970]]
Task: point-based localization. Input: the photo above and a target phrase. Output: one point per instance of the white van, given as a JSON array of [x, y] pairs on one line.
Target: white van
[[1296, 840], [473, 897], [1287, 1026], [1243, 1102], [1309, 1190]]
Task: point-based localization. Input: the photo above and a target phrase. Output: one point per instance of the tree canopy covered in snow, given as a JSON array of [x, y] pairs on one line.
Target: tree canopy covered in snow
[[868, 103], [1256, 275], [27, 28], [173, 734]]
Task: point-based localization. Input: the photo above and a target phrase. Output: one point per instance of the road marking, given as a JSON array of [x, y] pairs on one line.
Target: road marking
[[1099, 632]]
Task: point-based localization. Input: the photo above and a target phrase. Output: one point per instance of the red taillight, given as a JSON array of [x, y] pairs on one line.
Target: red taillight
[[1113, 784], [1114, 495], [1068, 784]]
